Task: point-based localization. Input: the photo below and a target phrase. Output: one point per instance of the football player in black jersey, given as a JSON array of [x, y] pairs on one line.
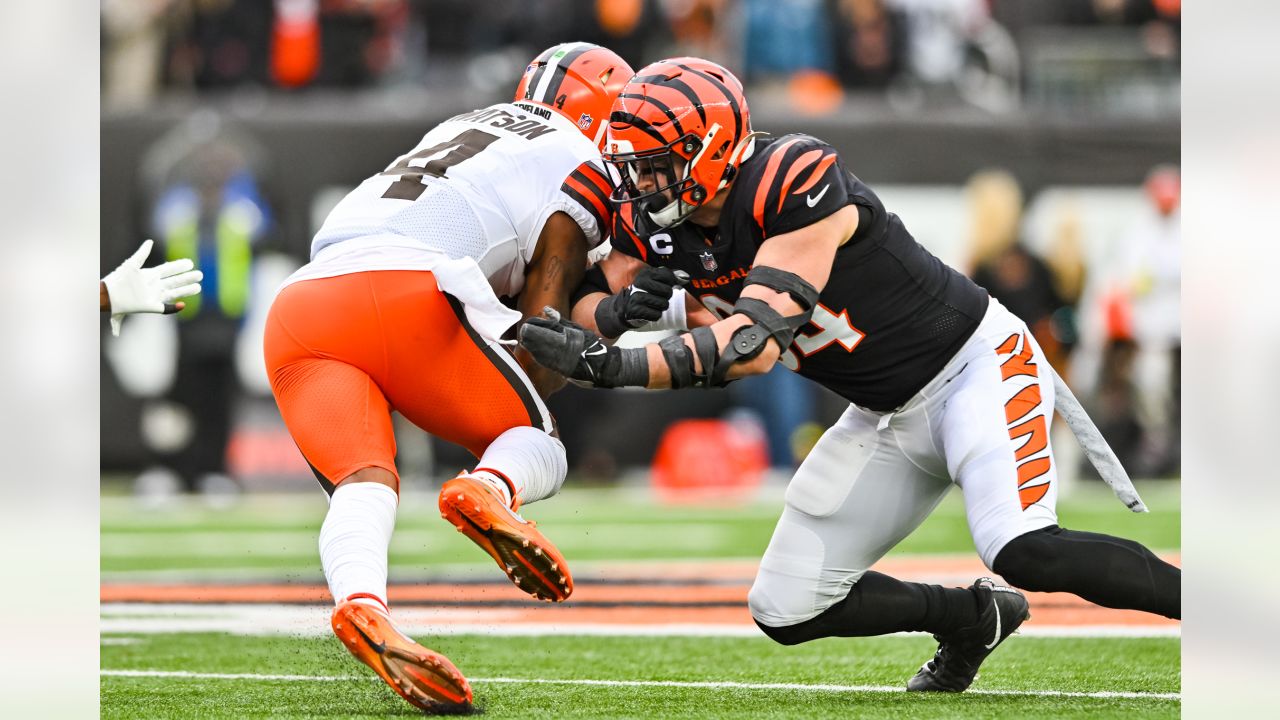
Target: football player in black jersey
[[793, 260]]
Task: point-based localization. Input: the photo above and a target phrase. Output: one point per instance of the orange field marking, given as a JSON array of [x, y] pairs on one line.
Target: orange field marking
[[703, 592]]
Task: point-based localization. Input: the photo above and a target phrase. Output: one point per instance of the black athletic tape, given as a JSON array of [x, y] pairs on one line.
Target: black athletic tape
[[708, 352], [782, 329], [679, 361], [783, 281]]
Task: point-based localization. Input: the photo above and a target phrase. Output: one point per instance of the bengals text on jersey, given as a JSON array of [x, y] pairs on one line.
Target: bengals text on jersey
[[891, 315]]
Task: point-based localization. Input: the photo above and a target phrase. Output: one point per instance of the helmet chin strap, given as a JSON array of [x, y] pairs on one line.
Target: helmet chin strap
[[746, 147], [676, 212]]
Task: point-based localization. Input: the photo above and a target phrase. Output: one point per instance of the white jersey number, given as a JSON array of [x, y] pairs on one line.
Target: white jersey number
[[410, 185], [832, 328]]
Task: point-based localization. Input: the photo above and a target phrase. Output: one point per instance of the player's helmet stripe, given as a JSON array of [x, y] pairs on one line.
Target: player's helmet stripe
[[546, 82], [661, 106], [640, 124], [676, 84], [733, 102]]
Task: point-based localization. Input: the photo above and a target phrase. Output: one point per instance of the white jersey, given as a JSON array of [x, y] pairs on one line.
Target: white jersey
[[478, 186]]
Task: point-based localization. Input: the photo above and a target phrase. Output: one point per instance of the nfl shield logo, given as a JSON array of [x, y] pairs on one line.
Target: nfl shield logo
[[708, 261], [584, 121]]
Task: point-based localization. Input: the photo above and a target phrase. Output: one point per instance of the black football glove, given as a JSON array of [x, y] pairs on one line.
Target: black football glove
[[639, 303], [580, 355]]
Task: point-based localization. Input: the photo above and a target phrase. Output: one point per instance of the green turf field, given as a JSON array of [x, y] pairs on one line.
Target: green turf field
[[335, 686], [195, 675], [277, 534]]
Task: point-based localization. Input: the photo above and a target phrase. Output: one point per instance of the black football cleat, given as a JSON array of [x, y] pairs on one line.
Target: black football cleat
[[955, 665]]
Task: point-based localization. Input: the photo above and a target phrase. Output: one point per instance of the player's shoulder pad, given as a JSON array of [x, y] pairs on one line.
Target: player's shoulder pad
[[797, 181], [588, 186]]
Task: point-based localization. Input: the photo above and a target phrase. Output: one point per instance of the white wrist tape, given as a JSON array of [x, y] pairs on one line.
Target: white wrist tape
[[675, 317]]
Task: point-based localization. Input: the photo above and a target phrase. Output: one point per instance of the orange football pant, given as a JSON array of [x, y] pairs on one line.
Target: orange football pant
[[343, 352]]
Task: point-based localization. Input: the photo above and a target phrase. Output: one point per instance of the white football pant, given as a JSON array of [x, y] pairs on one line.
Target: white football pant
[[982, 423]]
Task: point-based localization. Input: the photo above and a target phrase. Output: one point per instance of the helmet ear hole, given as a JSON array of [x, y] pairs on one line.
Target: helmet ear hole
[[720, 151]]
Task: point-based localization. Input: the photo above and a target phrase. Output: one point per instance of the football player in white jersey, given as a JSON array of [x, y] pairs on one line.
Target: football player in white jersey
[[398, 310]]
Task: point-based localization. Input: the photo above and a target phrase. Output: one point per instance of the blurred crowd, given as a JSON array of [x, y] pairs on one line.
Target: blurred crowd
[[990, 53], [1109, 322]]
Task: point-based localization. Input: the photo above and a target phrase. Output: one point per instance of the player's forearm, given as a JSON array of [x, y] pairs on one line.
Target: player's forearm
[[660, 370], [584, 311], [546, 382], [104, 299]]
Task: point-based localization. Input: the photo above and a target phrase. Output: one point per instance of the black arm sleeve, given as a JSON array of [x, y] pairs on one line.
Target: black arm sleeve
[[592, 282]]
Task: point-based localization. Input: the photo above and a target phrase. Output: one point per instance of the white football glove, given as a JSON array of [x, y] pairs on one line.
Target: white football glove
[[132, 288]]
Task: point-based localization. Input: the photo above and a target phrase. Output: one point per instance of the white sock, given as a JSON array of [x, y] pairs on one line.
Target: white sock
[[499, 485], [532, 460], [354, 540]]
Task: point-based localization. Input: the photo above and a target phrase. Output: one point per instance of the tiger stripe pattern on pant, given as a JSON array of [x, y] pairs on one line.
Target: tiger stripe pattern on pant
[[1030, 435]]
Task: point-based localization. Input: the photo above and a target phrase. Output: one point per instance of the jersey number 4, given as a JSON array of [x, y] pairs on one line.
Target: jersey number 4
[[832, 328], [410, 185]]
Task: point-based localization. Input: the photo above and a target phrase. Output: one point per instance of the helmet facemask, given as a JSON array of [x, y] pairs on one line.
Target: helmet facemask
[[661, 182]]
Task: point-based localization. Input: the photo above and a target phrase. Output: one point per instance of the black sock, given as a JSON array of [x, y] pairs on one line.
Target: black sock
[[1109, 571], [878, 604]]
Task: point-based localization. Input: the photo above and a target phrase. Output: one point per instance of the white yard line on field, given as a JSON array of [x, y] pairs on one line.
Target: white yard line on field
[[313, 621], [725, 685]]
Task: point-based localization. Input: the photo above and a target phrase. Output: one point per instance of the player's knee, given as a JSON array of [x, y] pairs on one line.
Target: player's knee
[[785, 634], [779, 615], [1030, 560]]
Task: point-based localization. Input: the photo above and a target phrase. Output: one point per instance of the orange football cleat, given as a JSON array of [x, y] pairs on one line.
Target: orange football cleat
[[523, 553], [423, 677]]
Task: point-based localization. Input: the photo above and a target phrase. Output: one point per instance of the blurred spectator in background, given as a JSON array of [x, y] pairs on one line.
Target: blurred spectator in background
[[954, 46], [783, 37], [208, 207], [219, 43], [285, 43], [134, 35], [787, 54], [1150, 277], [1021, 281], [870, 42]]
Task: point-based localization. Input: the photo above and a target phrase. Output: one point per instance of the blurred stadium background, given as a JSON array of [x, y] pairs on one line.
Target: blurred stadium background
[[1031, 143], [230, 127]]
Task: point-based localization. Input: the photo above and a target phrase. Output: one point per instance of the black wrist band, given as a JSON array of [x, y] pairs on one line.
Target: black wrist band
[[607, 320]]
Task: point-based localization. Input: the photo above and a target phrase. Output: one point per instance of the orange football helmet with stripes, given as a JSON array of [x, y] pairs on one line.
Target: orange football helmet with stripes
[[579, 80], [677, 134]]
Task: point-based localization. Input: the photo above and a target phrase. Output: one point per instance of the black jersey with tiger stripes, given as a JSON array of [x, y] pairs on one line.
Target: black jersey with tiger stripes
[[890, 316]]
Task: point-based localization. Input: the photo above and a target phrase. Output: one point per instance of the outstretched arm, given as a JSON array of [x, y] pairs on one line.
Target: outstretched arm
[[132, 288], [623, 293], [789, 272]]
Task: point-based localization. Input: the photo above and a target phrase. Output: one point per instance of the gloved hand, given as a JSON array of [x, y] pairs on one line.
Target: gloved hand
[[581, 355], [132, 288], [640, 303]]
